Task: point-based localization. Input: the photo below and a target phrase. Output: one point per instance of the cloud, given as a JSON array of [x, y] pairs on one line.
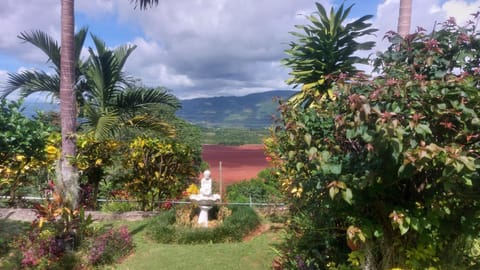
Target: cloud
[[28, 15], [202, 47], [217, 46], [460, 10], [425, 14]]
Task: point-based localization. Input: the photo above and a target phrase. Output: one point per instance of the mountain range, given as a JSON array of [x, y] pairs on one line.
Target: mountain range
[[249, 111]]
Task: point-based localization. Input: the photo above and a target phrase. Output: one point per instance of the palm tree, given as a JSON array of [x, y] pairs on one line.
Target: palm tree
[[34, 81], [112, 103], [68, 184], [404, 17]]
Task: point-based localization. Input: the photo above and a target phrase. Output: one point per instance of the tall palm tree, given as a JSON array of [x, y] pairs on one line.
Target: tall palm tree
[[68, 173], [404, 17], [112, 102], [34, 81]]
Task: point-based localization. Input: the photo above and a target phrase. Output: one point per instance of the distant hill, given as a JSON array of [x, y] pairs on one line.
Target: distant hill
[[250, 111], [30, 108]]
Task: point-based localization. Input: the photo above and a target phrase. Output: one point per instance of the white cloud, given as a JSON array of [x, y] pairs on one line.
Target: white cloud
[[94, 8], [215, 46], [460, 10], [425, 13], [203, 47], [27, 16]]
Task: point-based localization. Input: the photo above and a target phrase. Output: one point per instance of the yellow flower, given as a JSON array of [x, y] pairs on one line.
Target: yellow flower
[[192, 189], [98, 161]]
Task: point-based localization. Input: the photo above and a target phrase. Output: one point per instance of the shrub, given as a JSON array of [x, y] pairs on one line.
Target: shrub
[[110, 246], [120, 207], [262, 189], [25, 152], [9, 231], [159, 170], [383, 172], [242, 220]]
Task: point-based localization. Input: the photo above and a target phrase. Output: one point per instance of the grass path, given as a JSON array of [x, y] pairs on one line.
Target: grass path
[[254, 254]]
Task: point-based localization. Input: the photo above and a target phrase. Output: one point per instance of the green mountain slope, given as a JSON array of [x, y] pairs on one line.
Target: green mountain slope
[[250, 111]]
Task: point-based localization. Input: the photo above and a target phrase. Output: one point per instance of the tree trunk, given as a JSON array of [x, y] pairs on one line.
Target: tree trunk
[[68, 183], [404, 17]]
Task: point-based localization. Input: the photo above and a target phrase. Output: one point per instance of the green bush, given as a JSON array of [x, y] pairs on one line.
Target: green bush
[[120, 207], [9, 230], [383, 172], [263, 189], [163, 229]]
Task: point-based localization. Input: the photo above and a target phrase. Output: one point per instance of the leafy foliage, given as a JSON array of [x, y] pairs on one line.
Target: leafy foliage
[[54, 235], [324, 51], [165, 228], [159, 170], [263, 189], [110, 246], [93, 156], [33, 81], [386, 174], [24, 150]]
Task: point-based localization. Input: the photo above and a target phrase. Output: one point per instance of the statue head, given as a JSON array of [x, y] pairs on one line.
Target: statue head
[[206, 174]]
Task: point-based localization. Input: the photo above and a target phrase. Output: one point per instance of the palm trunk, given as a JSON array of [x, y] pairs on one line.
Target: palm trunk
[[68, 175], [404, 17]]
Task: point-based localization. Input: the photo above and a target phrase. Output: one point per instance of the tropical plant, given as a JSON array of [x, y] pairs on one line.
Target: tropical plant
[[35, 81], [93, 156], [263, 189], [325, 51], [24, 146], [387, 174], [159, 170], [112, 102], [67, 176]]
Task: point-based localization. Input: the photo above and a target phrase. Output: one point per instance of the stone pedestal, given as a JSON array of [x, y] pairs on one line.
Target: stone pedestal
[[205, 203], [203, 217]]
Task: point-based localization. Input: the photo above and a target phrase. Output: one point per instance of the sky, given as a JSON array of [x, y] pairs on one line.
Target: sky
[[200, 48]]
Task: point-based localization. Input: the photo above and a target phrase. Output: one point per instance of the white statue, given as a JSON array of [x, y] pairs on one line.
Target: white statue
[[205, 199], [206, 184]]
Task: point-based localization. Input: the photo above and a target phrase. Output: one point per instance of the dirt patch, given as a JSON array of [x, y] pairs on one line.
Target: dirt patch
[[238, 162]]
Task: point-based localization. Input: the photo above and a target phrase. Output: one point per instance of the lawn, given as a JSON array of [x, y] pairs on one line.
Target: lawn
[[254, 254]]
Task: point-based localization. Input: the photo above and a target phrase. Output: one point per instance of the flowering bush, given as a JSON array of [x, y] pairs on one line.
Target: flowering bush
[[383, 172], [111, 245], [158, 170]]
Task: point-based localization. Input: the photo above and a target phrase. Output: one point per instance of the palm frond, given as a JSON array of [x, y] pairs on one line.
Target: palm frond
[[45, 43], [133, 99], [79, 41], [104, 123], [122, 53], [30, 81], [148, 122]]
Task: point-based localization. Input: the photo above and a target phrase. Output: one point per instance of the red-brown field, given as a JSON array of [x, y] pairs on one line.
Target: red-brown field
[[238, 162]]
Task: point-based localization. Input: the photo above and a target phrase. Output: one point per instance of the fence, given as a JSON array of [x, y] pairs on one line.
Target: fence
[[250, 203]]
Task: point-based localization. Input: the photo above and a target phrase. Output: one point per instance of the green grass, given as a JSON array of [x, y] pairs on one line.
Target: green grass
[[254, 254]]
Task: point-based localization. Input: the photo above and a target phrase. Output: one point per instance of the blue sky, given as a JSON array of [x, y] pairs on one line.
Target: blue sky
[[200, 48]]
